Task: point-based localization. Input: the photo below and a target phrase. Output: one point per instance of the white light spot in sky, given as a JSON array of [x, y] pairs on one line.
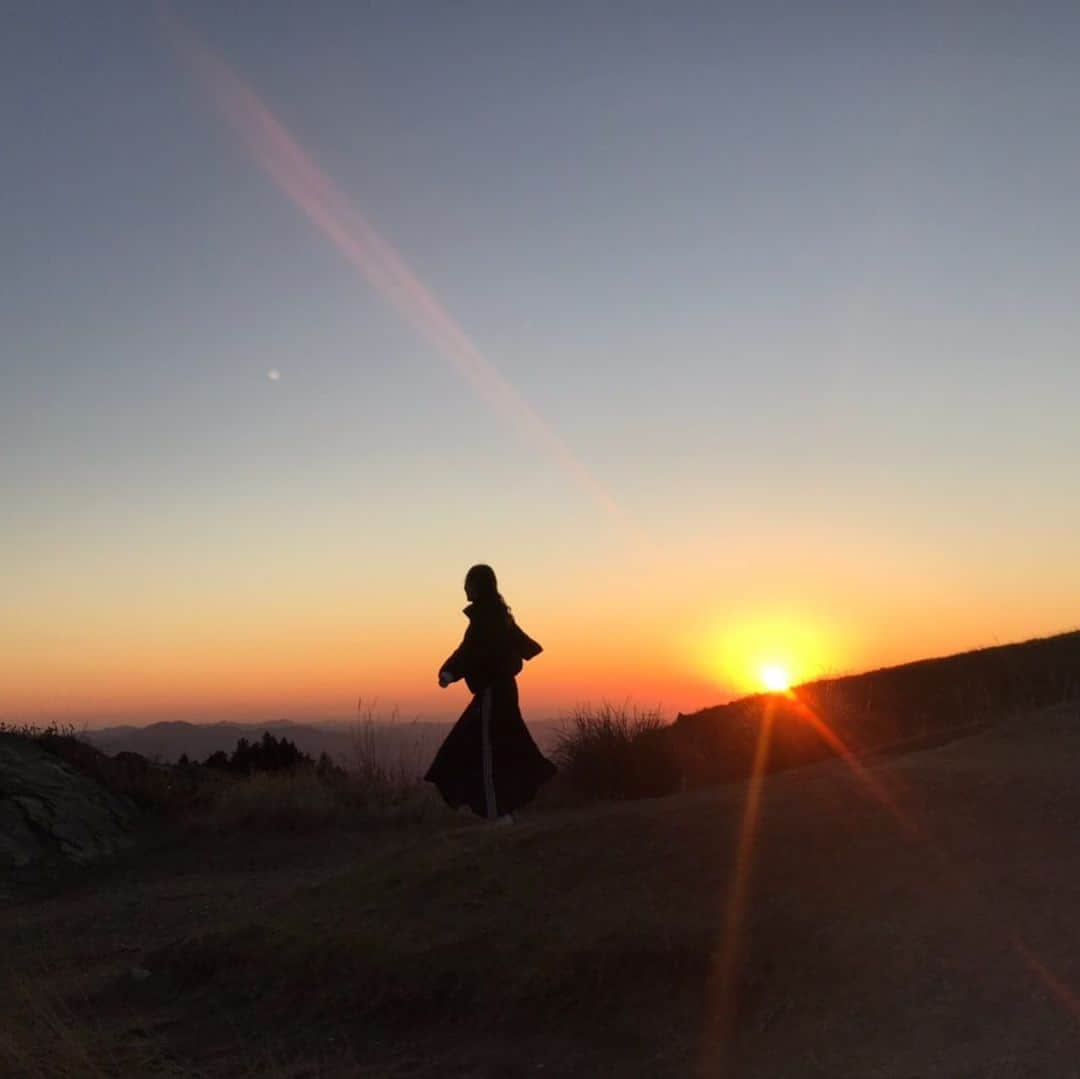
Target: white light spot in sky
[[274, 374]]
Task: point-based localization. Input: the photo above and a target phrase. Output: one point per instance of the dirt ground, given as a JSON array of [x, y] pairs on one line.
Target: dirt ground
[[911, 916]]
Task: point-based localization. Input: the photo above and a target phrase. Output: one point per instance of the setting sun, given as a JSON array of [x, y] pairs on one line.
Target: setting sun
[[755, 651], [775, 678]]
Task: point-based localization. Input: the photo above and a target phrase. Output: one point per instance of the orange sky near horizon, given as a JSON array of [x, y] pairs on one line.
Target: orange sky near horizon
[[272, 634]]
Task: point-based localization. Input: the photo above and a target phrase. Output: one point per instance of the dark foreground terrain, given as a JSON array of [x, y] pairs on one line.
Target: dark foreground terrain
[[916, 919]]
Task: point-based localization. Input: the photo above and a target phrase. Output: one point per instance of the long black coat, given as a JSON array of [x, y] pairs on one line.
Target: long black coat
[[489, 760]]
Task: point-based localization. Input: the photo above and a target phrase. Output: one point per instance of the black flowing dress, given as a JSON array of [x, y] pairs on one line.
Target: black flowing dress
[[489, 760]]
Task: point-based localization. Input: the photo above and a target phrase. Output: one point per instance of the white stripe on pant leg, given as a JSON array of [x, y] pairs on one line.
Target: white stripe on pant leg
[[485, 751]]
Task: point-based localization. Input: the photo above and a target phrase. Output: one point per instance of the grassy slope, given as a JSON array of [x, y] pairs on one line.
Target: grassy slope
[[896, 706], [586, 943]]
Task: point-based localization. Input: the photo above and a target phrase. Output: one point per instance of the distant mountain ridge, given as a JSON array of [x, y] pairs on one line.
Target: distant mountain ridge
[[169, 740], [409, 743]]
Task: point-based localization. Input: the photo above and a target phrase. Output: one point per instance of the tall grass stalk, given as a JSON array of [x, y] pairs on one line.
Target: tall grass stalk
[[385, 759]]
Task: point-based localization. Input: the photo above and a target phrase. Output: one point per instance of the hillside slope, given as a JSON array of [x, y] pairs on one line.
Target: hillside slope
[[917, 920], [914, 704]]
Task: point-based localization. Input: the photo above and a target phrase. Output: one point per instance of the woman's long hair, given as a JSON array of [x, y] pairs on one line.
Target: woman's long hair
[[481, 583]]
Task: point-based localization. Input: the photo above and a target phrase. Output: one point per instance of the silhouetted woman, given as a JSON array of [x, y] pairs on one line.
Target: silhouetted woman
[[489, 760]]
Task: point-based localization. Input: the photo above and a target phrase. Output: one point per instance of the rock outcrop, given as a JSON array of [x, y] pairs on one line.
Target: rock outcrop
[[52, 814]]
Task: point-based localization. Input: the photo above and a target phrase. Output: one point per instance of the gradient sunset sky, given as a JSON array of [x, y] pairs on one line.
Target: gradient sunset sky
[[728, 336]]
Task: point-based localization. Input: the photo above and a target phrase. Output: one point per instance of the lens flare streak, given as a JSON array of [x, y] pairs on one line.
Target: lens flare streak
[[328, 209]]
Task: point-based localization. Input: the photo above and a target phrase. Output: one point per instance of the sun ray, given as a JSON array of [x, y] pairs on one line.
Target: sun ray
[[863, 774], [1061, 992], [956, 879], [724, 990]]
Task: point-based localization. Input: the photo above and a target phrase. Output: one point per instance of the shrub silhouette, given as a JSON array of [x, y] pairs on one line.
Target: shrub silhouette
[[613, 752]]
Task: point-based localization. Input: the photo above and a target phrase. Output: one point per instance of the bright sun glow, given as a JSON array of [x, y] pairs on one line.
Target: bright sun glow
[[775, 678], [754, 651]]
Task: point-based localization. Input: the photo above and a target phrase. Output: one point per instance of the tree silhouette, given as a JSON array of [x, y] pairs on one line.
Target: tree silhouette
[[269, 754]]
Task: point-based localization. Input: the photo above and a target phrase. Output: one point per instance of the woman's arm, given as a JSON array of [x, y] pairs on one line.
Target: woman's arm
[[457, 664]]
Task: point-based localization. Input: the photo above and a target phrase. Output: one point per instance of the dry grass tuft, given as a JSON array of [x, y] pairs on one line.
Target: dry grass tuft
[[615, 751], [306, 800]]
